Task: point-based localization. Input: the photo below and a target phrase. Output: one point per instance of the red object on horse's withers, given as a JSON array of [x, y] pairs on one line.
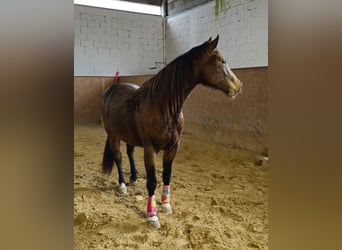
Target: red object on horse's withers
[[116, 77]]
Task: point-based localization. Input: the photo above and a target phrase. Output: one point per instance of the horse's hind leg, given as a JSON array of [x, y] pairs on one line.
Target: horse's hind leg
[[168, 158], [130, 151], [115, 146]]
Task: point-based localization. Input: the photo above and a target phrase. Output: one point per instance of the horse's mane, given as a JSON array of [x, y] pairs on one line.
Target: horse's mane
[[168, 88]]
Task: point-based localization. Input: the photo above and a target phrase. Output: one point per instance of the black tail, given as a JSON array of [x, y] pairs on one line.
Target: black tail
[[108, 159]]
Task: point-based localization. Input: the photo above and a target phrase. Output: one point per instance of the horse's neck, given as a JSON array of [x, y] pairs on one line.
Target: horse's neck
[[188, 87], [168, 97]]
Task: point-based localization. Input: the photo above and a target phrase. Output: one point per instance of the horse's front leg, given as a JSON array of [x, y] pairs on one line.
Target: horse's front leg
[[150, 158], [168, 157]]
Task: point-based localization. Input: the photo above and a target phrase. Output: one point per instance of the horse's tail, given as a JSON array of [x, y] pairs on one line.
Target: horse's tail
[[108, 159]]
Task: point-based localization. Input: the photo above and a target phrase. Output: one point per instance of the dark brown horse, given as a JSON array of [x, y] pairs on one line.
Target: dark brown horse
[[151, 116]]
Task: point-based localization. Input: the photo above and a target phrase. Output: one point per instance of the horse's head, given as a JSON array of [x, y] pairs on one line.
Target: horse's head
[[213, 70]]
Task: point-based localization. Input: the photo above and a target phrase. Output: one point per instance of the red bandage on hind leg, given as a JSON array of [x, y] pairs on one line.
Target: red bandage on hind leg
[[152, 206]]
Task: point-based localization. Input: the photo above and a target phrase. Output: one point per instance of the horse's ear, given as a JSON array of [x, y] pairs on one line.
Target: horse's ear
[[205, 48], [213, 44]]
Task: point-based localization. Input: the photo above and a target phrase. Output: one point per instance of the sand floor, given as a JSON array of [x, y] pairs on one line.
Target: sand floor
[[219, 198]]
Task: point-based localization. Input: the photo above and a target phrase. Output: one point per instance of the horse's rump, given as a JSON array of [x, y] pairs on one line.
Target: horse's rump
[[119, 88], [118, 113]]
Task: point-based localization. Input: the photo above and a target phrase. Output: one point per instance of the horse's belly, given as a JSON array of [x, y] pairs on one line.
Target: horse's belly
[[124, 131], [131, 138]]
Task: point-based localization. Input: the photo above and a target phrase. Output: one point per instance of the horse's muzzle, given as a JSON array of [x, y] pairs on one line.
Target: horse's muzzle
[[236, 88]]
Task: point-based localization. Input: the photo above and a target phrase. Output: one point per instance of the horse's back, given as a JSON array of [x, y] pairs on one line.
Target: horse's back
[[118, 89]]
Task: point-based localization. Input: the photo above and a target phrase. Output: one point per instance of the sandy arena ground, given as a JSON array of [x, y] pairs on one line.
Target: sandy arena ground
[[219, 198]]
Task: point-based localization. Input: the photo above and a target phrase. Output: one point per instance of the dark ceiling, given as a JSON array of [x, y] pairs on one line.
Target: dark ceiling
[[153, 2]]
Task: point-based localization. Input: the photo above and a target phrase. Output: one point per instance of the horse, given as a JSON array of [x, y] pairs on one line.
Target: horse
[[150, 116]]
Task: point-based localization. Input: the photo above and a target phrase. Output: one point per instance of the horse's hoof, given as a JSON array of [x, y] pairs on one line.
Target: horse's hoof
[[166, 208], [123, 189], [153, 222]]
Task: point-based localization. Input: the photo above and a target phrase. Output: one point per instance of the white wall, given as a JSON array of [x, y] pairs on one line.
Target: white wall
[[243, 31], [109, 40]]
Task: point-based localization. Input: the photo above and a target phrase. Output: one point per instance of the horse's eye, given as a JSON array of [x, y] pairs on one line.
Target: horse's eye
[[224, 61]]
